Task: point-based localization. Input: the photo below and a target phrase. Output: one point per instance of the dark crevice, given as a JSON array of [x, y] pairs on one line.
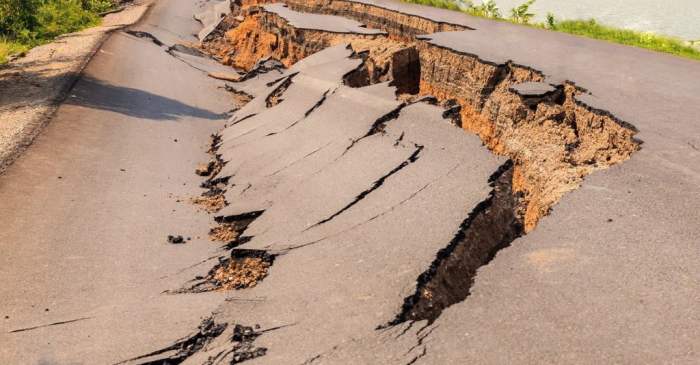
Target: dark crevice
[[406, 71], [275, 97], [453, 112], [243, 348], [241, 340], [141, 34], [378, 126], [262, 67], [398, 140], [318, 103], [243, 220], [376, 185], [311, 110], [244, 118], [208, 330], [243, 97], [491, 226], [50, 324], [415, 359], [359, 77]]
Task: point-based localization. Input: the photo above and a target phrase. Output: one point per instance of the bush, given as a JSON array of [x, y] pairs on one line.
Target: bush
[[97, 6], [17, 17], [57, 17], [27, 23]]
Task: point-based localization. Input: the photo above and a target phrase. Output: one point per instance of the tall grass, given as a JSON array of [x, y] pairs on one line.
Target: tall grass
[[28, 23], [586, 28], [9, 48]]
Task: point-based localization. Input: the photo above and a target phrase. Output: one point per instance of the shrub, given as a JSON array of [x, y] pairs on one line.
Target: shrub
[[56, 17]]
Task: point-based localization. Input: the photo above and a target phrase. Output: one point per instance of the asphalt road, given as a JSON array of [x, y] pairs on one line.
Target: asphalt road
[[87, 210], [359, 199]]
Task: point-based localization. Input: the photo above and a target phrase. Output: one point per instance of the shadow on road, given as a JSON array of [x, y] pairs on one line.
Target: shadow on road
[[93, 93]]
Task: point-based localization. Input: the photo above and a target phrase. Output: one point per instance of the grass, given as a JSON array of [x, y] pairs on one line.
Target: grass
[[586, 28], [10, 48], [592, 29], [28, 23]]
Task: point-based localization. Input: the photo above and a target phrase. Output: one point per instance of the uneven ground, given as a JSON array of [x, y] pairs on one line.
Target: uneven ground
[[374, 182]]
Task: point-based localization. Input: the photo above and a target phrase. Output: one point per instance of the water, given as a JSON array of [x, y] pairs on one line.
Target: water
[[680, 18]]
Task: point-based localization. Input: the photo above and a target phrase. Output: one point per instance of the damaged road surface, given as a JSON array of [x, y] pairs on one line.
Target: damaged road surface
[[356, 181]]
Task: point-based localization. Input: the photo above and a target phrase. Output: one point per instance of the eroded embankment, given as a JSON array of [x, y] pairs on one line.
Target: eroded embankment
[[552, 140]]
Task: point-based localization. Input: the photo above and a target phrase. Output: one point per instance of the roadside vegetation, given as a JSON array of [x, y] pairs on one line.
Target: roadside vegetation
[[28, 23], [586, 28]]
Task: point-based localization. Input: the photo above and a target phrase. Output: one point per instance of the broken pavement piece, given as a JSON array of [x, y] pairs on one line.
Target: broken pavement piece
[[532, 88], [176, 239], [233, 77]]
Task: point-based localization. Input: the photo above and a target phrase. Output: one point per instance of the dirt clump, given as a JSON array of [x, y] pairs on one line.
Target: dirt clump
[[240, 273], [223, 233], [210, 203]]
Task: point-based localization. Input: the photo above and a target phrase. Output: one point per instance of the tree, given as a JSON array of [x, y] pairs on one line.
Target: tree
[[18, 18]]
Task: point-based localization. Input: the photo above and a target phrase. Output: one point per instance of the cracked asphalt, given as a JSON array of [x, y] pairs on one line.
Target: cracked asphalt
[[355, 193]]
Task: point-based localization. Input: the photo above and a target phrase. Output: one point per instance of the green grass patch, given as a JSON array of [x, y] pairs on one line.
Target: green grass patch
[[9, 48], [586, 28], [29, 23]]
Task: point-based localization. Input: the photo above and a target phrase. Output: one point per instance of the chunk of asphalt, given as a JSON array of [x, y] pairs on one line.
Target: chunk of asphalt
[[176, 239]]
